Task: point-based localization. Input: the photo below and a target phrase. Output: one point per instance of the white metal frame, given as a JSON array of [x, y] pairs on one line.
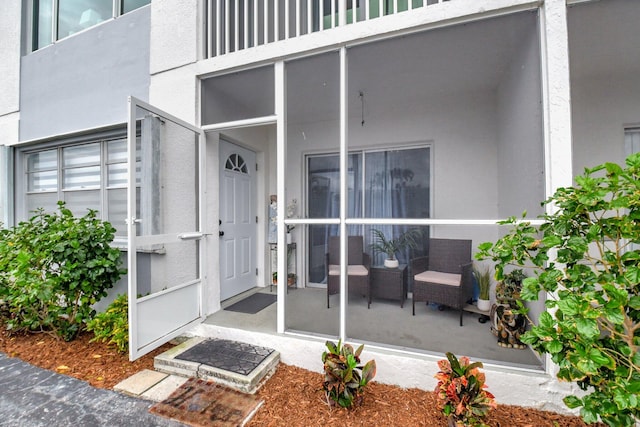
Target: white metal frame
[[189, 290]]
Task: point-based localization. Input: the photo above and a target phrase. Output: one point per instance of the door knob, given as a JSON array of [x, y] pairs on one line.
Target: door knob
[[220, 233]]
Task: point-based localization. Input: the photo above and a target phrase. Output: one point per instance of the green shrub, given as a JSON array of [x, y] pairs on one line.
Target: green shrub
[[345, 379], [53, 268], [585, 256], [112, 326]]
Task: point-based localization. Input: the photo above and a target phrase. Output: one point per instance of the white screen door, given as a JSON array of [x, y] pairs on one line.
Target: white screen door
[[238, 227], [165, 246]]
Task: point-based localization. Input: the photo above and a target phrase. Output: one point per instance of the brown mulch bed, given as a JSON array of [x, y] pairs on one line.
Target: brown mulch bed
[[293, 396], [97, 363]]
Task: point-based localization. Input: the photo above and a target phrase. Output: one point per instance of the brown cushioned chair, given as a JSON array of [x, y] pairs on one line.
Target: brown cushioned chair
[[445, 276], [358, 267]]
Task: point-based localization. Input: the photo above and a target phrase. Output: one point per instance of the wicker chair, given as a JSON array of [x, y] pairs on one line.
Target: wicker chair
[[359, 264], [445, 276]]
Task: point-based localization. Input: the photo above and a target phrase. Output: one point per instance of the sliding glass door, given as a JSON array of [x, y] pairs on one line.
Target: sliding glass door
[[381, 184]]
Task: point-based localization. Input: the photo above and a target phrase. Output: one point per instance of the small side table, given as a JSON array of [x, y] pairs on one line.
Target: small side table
[[389, 283]]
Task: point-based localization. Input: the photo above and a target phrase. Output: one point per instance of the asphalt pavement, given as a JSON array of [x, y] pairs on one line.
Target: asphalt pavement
[[34, 397]]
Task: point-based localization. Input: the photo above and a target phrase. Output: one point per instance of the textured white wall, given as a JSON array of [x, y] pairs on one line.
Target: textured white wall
[[461, 128], [10, 18], [83, 81], [602, 106], [175, 34], [520, 146]]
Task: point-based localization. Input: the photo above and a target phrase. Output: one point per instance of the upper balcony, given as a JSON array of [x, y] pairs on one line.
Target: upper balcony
[[235, 25]]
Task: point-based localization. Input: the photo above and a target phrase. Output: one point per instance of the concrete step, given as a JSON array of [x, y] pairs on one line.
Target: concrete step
[[243, 367]]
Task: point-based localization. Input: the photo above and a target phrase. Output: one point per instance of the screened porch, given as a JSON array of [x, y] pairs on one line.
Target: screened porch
[[439, 131]]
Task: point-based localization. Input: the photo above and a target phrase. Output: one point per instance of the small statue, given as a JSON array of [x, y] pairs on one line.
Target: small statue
[[508, 326]]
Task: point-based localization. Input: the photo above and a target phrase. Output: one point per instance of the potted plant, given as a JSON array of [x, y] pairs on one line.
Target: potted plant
[[408, 239], [483, 277], [461, 392], [274, 277]]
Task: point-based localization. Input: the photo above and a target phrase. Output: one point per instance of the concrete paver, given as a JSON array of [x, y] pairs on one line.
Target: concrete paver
[[140, 382], [35, 397]]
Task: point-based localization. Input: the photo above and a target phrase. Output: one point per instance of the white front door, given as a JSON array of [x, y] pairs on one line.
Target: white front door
[[238, 222], [165, 218]]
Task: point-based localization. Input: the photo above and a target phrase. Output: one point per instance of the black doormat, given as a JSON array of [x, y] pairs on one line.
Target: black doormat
[[232, 356], [253, 303], [200, 403]]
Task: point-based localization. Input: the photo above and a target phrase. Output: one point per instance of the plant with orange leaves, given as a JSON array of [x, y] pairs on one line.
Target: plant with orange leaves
[[461, 392]]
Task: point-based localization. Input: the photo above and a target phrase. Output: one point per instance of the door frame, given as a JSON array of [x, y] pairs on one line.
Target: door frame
[[163, 300]]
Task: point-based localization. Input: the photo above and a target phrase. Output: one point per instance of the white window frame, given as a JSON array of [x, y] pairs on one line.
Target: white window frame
[[102, 138]]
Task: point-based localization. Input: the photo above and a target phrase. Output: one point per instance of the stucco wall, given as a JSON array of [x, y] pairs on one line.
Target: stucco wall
[[602, 106], [83, 81], [10, 19], [520, 145], [175, 33], [460, 128]]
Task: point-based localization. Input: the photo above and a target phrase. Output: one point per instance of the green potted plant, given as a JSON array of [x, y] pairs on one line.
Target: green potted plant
[[461, 392], [483, 277], [408, 239]]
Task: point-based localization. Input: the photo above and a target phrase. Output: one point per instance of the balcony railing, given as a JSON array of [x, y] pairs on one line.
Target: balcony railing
[[234, 25]]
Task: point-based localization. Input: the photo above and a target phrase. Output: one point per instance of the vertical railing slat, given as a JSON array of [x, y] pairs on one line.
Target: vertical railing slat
[[256, 22], [298, 17], [236, 21], [320, 15], [276, 20], [227, 31], [286, 19], [265, 17], [218, 28], [245, 20], [333, 14], [210, 29], [309, 17]]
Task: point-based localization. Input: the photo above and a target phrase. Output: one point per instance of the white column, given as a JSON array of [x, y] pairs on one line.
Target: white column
[[343, 191], [556, 86], [556, 96], [281, 155]]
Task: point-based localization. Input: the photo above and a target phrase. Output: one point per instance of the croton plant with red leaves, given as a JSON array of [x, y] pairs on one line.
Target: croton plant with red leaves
[[461, 391]]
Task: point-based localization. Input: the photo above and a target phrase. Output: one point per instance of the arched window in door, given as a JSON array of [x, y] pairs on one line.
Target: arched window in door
[[236, 163]]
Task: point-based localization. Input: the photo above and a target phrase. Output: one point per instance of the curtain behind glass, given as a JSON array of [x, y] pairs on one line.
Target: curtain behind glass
[[324, 202], [397, 186]]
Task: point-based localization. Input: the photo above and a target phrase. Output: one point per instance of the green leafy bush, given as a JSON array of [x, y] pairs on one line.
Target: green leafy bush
[[53, 268], [345, 379], [586, 257], [461, 391], [112, 325]]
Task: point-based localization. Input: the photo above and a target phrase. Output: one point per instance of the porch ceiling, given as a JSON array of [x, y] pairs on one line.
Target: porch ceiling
[[463, 58]]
